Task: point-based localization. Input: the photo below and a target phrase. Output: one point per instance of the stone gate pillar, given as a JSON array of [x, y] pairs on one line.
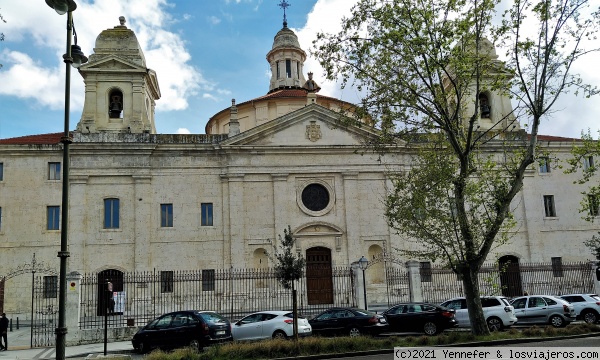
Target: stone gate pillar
[[72, 308], [414, 281], [359, 299], [595, 279]]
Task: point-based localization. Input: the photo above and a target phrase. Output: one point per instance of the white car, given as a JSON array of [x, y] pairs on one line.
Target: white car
[[587, 306], [543, 309], [269, 324], [498, 313]]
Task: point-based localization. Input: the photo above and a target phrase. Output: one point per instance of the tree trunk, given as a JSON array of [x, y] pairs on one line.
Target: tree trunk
[[295, 311], [471, 286]]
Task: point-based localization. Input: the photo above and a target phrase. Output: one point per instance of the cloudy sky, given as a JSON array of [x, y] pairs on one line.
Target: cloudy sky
[[205, 53]]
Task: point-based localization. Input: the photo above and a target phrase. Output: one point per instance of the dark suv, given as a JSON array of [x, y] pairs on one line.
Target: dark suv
[[196, 329]]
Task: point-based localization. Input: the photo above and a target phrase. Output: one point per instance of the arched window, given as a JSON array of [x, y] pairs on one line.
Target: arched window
[[484, 106], [115, 106]]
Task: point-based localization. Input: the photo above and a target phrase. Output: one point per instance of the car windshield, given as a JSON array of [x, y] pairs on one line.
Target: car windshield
[[211, 317]]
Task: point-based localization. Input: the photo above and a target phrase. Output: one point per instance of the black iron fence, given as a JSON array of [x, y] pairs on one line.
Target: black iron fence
[[439, 283], [137, 297]]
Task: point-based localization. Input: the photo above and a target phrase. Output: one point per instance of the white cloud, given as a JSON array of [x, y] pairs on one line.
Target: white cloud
[[164, 50], [183, 131], [214, 20]]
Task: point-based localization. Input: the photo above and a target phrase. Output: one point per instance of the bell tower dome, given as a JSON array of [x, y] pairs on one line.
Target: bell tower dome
[[120, 91]]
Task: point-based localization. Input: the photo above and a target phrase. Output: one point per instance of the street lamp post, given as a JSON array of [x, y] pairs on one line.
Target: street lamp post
[[363, 263], [73, 57]]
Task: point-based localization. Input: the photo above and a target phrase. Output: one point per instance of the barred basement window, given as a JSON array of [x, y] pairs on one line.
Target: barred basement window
[[166, 281], [557, 269], [208, 280], [50, 287], [425, 270]]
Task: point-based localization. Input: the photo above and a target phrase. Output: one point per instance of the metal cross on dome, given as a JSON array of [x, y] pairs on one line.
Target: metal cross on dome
[[284, 5]]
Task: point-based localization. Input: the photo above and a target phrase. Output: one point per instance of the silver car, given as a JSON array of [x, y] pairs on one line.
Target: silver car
[[269, 324], [543, 309], [587, 306]]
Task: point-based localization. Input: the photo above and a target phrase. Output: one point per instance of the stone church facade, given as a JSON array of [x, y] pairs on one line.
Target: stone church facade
[[140, 200]]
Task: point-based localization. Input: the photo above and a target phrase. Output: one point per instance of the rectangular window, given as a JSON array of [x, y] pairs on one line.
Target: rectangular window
[[111, 213], [54, 171], [588, 162], [166, 215], [425, 270], [549, 206], [207, 214], [50, 287], [0, 218], [53, 218], [557, 269], [544, 165], [288, 68], [298, 70], [594, 205], [208, 280], [1, 171], [166, 281]]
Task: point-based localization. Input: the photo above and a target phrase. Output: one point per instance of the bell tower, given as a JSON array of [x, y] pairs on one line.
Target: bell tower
[[286, 58], [120, 91]]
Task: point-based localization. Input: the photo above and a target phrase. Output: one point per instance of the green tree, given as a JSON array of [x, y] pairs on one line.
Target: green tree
[[289, 268], [420, 67]]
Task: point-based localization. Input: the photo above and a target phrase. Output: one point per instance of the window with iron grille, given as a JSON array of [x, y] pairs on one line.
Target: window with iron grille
[[549, 209], [166, 281], [208, 280], [50, 287], [54, 171], [425, 270], [53, 218], [1, 171], [557, 268]]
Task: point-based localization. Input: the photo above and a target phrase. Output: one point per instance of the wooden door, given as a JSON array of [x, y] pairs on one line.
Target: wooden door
[[319, 281]]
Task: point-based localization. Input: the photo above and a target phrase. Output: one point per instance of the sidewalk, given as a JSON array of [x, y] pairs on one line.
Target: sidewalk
[[19, 348]]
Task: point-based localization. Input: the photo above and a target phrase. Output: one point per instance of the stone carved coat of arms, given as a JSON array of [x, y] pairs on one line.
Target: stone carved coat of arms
[[313, 131]]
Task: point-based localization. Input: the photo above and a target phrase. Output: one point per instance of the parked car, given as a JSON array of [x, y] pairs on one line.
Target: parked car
[[543, 309], [419, 317], [348, 321], [269, 324], [587, 306], [497, 311], [196, 329]]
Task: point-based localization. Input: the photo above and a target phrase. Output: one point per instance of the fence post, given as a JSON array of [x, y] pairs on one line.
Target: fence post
[[358, 285], [414, 281], [73, 310], [595, 269]]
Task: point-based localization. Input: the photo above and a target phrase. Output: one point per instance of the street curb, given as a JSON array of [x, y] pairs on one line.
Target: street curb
[[111, 352], [471, 344]]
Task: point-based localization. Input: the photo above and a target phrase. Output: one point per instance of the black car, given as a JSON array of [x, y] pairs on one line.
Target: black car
[[348, 321], [419, 317], [196, 329]]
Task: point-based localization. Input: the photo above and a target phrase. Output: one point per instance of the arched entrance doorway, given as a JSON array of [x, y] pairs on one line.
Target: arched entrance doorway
[[105, 297], [319, 282], [510, 276]]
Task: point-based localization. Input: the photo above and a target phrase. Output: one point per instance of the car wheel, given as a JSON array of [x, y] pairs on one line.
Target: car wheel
[[590, 317], [557, 321], [354, 331], [143, 348], [195, 344], [430, 328], [279, 335], [494, 324]]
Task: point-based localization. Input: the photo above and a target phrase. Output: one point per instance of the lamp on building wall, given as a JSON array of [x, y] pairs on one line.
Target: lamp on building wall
[[363, 263], [74, 57]]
